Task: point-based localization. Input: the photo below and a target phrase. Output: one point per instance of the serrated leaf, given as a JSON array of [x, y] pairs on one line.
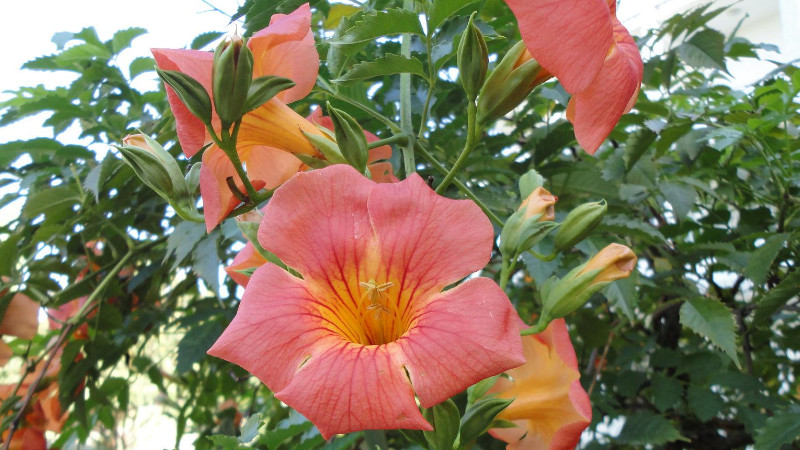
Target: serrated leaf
[[636, 145], [625, 225], [250, 428], [122, 39], [224, 441], [182, 240], [713, 321], [705, 403], [40, 148], [646, 428], [705, 50], [761, 259], [338, 12], [204, 39], [99, 174], [667, 391], [441, 10], [141, 65], [780, 429], [622, 294], [386, 65], [50, 200], [377, 24]]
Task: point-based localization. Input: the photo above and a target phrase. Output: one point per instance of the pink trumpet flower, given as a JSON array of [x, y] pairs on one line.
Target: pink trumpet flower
[[368, 326], [592, 54]]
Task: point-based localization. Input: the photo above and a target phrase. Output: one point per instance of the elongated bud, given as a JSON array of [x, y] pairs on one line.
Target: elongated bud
[[149, 169], [193, 179], [473, 60], [350, 139], [324, 145], [191, 93], [177, 182], [479, 417], [509, 83], [561, 297], [530, 224], [579, 223], [231, 76]]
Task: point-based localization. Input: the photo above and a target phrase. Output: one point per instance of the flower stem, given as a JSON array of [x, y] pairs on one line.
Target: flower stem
[[461, 186], [405, 101], [227, 143], [400, 139], [506, 270], [472, 140]]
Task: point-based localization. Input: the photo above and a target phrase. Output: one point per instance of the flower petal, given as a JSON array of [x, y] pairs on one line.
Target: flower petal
[[570, 38], [328, 236], [286, 48], [550, 406], [247, 258], [197, 64], [595, 111], [415, 231], [461, 336], [274, 124], [5, 353], [21, 317], [352, 387], [275, 329]]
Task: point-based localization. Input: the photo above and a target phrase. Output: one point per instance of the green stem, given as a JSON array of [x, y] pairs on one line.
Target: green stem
[[228, 145], [405, 101], [472, 141], [431, 81], [542, 257], [461, 186], [506, 270], [400, 139], [536, 329]]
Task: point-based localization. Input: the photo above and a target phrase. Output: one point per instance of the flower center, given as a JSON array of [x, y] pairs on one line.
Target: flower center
[[371, 313]]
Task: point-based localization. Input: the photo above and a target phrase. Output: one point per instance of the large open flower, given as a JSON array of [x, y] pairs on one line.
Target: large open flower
[[368, 325], [591, 53], [269, 134], [550, 407]]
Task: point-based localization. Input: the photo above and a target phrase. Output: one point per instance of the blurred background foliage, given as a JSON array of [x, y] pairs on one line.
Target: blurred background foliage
[[699, 349]]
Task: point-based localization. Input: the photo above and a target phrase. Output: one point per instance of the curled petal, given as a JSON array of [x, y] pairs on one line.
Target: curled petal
[[247, 258], [286, 48], [570, 38], [595, 111]]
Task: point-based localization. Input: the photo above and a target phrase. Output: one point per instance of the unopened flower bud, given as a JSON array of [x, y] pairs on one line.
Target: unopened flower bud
[[231, 76], [191, 93], [561, 297], [579, 223], [350, 139], [530, 224], [509, 83], [473, 60]]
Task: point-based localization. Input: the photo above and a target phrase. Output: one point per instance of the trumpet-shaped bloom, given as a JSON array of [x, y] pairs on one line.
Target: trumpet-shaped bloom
[[368, 325], [21, 320], [270, 133], [582, 43], [550, 407]]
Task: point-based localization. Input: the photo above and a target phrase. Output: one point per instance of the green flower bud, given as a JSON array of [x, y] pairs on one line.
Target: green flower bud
[[530, 224], [579, 223], [191, 93], [193, 179], [325, 145], [230, 80], [561, 297], [509, 83], [350, 139], [479, 417], [154, 165], [473, 59]]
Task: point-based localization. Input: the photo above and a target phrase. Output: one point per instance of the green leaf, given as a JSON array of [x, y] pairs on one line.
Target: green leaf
[[761, 259], [705, 403], [705, 50], [250, 428], [780, 429], [204, 39], [224, 441], [387, 65], [122, 39], [667, 391], [442, 10], [636, 145], [50, 201], [445, 420], [680, 196], [479, 389], [646, 428], [338, 12], [376, 24], [99, 174], [182, 240], [624, 225], [288, 428], [195, 343], [141, 65], [480, 416], [205, 261], [40, 148], [712, 320], [622, 294], [767, 304]]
